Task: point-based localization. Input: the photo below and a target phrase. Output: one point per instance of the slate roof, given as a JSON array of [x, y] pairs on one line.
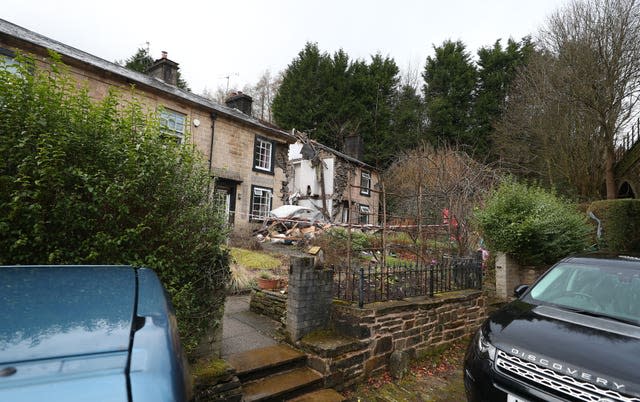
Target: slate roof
[[15, 31]]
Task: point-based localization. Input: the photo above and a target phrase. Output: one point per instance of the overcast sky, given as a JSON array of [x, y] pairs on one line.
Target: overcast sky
[[242, 38]]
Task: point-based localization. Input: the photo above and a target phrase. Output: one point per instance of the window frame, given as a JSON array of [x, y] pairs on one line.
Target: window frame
[[272, 155], [10, 56], [165, 118], [254, 217], [365, 190], [363, 213]]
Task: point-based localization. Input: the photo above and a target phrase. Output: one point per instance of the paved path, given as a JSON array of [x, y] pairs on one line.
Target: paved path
[[243, 330]]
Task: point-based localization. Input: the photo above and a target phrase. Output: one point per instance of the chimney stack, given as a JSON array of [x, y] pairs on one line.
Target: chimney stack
[[164, 69], [354, 146], [240, 101]]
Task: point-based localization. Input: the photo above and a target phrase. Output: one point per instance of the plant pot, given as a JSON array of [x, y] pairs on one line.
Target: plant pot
[[268, 284]]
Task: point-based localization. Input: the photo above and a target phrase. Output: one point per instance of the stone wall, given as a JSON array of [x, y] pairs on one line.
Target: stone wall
[[509, 275], [310, 296], [528, 275], [216, 381], [411, 327], [270, 304]]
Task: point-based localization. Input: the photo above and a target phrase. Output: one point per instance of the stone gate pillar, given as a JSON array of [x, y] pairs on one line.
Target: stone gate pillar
[[507, 275], [310, 297]]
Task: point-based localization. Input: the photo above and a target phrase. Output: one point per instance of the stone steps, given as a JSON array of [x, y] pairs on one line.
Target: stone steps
[[281, 387], [323, 395], [278, 373], [260, 363]]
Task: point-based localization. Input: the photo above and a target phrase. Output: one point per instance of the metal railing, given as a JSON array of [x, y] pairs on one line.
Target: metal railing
[[376, 283]]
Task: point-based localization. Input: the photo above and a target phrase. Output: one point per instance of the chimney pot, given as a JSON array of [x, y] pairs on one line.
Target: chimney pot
[[164, 54]]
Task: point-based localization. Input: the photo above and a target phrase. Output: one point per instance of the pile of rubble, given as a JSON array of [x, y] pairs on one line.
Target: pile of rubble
[[290, 231]]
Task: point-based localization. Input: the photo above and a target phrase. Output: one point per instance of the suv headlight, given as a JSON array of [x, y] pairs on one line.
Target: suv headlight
[[485, 347]]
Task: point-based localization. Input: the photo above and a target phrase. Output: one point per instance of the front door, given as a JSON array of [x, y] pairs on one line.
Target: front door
[[226, 193]]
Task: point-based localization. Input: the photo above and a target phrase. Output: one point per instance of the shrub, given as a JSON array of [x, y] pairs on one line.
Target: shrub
[[86, 182], [335, 245], [620, 223], [532, 224]]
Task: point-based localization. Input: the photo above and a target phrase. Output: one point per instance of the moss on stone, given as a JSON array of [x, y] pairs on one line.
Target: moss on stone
[[210, 368], [319, 336]]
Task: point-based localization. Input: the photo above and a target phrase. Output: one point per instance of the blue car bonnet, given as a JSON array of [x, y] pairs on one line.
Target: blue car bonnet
[[49, 312], [65, 332]]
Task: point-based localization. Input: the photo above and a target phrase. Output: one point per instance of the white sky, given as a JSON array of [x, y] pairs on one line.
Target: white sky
[[242, 38]]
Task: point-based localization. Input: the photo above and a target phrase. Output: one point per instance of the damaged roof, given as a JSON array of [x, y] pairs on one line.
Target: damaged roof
[[339, 154], [9, 30]]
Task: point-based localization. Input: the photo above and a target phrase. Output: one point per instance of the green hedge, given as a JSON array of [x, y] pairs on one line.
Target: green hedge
[[532, 224], [87, 182], [620, 223]]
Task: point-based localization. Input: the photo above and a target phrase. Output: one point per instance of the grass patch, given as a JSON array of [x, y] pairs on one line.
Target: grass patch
[[254, 259], [391, 260]]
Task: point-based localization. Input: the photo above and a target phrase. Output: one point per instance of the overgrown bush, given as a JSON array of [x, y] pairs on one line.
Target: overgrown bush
[[532, 224], [620, 223], [87, 182], [335, 245]]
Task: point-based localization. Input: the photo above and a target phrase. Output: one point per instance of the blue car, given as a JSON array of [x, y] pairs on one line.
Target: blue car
[[88, 333]]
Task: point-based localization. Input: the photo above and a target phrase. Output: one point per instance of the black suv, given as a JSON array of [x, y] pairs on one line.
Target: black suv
[[572, 336]]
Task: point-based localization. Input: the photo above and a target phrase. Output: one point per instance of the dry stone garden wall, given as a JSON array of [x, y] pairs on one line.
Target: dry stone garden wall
[[346, 343], [411, 327], [270, 304]]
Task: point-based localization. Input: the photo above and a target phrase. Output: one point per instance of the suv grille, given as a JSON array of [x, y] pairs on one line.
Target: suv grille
[[551, 380]]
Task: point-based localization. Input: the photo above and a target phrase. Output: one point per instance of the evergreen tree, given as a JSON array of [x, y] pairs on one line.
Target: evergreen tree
[[408, 122], [450, 80], [299, 102], [332, 98], [381, 89], [497, 67]]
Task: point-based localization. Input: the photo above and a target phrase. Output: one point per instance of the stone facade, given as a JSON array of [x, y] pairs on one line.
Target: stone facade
[[627, 172], [224, 136]]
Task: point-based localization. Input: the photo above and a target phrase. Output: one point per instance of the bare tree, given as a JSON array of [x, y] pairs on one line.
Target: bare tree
[[545, 136], [592, 48], [219, 95], [427, 181], [263, 93]]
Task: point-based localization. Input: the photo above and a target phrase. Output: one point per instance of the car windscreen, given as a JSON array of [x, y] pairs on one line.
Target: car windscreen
[[612, 291]]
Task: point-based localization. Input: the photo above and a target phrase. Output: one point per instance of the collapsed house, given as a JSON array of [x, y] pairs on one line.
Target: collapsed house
[[330, 188]]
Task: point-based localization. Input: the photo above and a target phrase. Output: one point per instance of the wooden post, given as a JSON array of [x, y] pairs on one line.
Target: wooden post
[[420, 246], [325, 212], [384, 224], [349, 223]]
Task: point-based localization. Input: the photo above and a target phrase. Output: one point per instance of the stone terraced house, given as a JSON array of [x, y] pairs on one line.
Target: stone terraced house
[[248, 157]]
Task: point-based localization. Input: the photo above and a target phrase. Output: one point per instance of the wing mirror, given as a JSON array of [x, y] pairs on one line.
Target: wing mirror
[[520, 290]]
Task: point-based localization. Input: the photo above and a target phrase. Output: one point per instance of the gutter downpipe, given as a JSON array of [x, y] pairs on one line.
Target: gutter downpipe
[[214, 116]]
